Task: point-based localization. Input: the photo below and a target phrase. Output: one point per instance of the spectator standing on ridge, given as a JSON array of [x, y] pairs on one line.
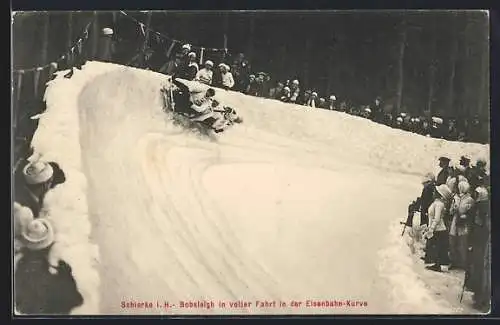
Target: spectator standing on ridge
[[252, 87], [285, 97], [206, 74], [241, 72], [322, 103], [276, 92], [332, 103], [312, 102], [106, 47], [294, 91], [377, 111], [227, 77]]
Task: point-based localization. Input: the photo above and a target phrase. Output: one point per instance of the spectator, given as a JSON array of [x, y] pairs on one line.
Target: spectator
[[399, 122], [286, 95], [425, 200], [106, 47], [477, 276], [37, 289], [206, 74], [478, 174], [437, 127], [322, 103], [366, 112], [22, 218], [376, 109], [39, 177], [459, 229], [304, 99], [227, 77], [276, 92], [241, 72], [252, 88], [426, 128], [312, 101], [451, 131], [437, 234], [332, 103], [444, 173], [294, 91], [467, 170]]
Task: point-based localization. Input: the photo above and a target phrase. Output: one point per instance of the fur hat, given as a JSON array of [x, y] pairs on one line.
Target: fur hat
[[332, 97], [107, 31], [463, 187], [22, 217], [482, 194], [38, 234], [37, 172], [444, 191], [428, 177], [210, 63]]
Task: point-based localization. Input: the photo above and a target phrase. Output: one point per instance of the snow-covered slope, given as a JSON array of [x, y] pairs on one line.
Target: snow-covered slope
[[294, 204]]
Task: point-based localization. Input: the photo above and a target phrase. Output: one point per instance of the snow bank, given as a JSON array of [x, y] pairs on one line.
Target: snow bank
[[357, 139]]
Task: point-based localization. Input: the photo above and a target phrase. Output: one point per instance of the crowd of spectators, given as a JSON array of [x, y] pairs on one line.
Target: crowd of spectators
[[455, 221], [238, 76]]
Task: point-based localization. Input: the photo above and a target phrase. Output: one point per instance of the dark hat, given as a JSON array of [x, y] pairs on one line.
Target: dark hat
[[465, 159], [445, 159]]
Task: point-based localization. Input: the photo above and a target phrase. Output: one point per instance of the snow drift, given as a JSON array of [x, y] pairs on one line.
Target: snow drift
[[294, 204]]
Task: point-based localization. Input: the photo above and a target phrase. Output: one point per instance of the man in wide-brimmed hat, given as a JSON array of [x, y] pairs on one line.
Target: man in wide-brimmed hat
[[444, 173]]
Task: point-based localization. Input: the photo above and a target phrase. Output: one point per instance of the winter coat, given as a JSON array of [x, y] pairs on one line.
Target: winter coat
[[442, 176], [436, 214], [205, 76], [426, 198], [460, 211], [227, 80]]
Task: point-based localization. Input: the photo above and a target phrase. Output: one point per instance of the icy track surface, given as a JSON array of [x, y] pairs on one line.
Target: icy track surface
[[294, 204]]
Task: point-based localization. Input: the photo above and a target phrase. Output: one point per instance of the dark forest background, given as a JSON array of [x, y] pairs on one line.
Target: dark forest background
[[433, 62]]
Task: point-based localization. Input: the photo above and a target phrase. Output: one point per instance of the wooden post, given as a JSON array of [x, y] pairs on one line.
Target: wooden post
[[401, 56], [306, 63]]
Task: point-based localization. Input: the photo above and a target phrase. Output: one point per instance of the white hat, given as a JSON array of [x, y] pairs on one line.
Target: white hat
[[37, 172], [295, 82], [192, 54], [286, 88], [403, 114], [437, 120], [368, 110], [187, 47], [444, 191], [210, 63], [107, 31], [399, 119], [314, 93], [332, 97], [38, 234], [22, 217]]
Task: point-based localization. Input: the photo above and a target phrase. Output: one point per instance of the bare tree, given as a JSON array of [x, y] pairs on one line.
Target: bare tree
[[432, 65], [453, 66]]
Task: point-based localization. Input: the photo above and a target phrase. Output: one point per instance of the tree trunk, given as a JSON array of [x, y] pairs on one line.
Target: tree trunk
[[143, 58], [250, 45], [306, 62], [330, 74], [483, 93], [45, 39], [402, 46], [226, 30], [95, 35], [69, 41], [432, 67], [453, 66]]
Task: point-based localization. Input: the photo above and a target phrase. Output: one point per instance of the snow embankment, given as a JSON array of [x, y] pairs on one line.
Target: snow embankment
[[354, 138], [57, 139]]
